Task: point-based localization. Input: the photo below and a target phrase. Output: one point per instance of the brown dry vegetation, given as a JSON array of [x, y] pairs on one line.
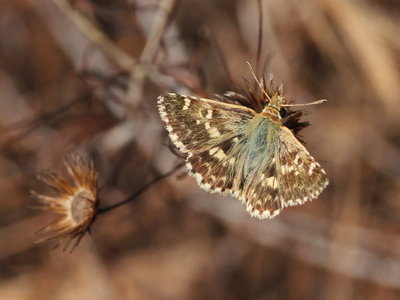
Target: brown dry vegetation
[[84, 76]]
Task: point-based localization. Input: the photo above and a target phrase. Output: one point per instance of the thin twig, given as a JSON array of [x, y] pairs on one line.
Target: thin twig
[[33, 121], [27, 126], [91, 31], [141, 190], [157, 31], [260, 35], [111, 50], [150, 48], [222, 58]]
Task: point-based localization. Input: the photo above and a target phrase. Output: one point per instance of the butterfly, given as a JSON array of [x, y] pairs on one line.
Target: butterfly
[[234, 150]]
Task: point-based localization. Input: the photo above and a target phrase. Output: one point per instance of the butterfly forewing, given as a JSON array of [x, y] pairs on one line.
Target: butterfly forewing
[[196, 124], [212, 134]]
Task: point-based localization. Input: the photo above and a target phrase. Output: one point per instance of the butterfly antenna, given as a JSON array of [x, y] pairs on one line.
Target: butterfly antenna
[[306, 104], [258, 82]]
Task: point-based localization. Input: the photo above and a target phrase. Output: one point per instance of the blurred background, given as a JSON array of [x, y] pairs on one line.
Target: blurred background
[[84, 75]]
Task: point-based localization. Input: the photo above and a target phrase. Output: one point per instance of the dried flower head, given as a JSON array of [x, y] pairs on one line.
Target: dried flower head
[[76, 202]]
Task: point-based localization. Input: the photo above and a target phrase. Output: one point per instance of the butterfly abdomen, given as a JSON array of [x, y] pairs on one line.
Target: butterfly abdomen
[[261, 145]]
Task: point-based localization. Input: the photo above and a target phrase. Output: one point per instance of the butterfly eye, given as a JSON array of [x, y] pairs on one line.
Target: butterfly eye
[[282, 112]]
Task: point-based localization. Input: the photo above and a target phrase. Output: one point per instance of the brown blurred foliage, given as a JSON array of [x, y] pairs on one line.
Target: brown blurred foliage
[[84, 75]]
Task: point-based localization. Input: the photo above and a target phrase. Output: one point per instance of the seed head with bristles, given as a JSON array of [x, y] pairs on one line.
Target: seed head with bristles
[[75, 202]]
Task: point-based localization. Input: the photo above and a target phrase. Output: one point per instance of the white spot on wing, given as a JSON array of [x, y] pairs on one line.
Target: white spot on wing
[[236, 194], [187, 104], [164, 116], [213, 132], [266, 214], [218, 190], [206, 186], [212, 151], [272, 182], [220, 154], [312, 167]]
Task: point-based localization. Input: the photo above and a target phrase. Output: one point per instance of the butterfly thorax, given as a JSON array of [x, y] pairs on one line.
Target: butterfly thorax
[[271, 110], [271, 113]]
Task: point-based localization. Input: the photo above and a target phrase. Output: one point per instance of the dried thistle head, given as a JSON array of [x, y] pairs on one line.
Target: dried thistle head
[[75, 202]]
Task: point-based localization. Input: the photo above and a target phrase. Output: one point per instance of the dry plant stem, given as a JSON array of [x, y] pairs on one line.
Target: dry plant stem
[[27, 126], [151, 47], [95, 35], [222, 58], [260, 35], [141, 190], [33, 121], [117, 55], [158, 29]]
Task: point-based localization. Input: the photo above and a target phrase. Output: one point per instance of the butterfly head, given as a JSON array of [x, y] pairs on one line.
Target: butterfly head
[[276, 101], [274, 107], [266, 98]]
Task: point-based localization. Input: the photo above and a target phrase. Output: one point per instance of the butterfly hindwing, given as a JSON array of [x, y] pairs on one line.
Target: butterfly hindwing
[[263, 194], [292, 178], [301, 177], [261, 187], [215, 169]]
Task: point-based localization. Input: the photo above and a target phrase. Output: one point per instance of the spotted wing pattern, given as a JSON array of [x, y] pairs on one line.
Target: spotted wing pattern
[[211, 133], [233, 150], [292, 178]]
